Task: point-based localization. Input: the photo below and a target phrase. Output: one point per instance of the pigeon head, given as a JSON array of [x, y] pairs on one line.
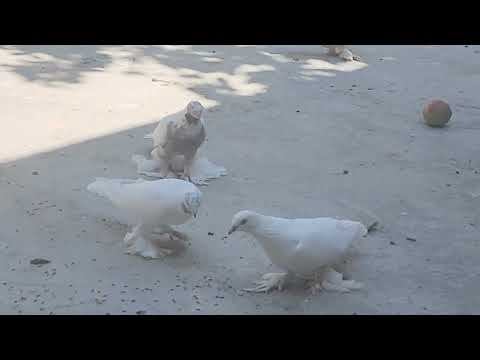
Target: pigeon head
[[192, 202], [242, 221], [194, 111]]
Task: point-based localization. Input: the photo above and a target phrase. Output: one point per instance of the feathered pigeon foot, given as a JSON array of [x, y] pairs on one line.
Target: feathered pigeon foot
[[269, 282], [333, 281], [159, 244], [346, 55], [173, 234], [146, 249], [186, 177]]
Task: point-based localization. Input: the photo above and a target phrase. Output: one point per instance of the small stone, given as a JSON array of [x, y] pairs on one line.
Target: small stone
[[297, 111], [411, 239], [141, 312], [39, 262], [210, 233], [345, 172], [393, 243], [34, 172]]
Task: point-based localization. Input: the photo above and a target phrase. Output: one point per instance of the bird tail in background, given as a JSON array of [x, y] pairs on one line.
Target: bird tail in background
[[108, 188]]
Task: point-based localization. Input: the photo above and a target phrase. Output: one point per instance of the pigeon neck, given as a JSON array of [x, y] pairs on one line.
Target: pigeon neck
[[262, 225]]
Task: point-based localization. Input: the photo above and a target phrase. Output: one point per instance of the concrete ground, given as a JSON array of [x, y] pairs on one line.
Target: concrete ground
[[286, 121]]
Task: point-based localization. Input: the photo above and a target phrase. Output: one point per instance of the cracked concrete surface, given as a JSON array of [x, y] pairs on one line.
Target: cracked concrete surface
[[301, 134]]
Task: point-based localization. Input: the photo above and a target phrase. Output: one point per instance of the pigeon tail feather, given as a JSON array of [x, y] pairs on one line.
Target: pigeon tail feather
[[109, 188]]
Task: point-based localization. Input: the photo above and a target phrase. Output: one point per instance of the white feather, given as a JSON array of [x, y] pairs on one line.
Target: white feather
[[156, 202]]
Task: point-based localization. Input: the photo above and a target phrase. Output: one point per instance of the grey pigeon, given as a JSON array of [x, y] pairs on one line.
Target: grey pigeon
[[182, 137], [342, 52]]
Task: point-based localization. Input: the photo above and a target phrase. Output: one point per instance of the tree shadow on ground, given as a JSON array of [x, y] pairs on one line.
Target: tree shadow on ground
[[228, 68], [54, 64], [52, 216]]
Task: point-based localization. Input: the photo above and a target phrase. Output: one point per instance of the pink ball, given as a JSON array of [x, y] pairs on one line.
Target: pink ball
[[437, 113]]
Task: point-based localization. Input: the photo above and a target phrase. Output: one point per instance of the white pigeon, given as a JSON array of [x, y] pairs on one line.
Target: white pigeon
[[306, 248], [151, 207], [180, 137]]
